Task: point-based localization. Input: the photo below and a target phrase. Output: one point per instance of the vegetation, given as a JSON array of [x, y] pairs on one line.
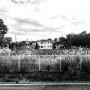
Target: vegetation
[[82, 39], [35, 68], [3, 30], [70, 68]]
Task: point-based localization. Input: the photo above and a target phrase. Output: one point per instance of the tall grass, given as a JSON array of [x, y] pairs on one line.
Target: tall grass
[[31, 63]]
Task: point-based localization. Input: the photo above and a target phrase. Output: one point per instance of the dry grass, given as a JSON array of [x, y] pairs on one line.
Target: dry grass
[[34, 62]]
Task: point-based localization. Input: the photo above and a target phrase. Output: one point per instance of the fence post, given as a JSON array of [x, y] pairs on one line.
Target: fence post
[[39, 63], [18, 64], [60, 62], [81, 62]]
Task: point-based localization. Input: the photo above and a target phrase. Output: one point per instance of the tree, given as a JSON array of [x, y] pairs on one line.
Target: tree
[[3, 28], [83, 33], [36, 46], [50, 39], [3, 31], [69, 38], [62, 39], [55, 40], [7, 40], [82, 39]]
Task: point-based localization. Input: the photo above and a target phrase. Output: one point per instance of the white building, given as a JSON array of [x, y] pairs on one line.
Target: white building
[[45, 44]]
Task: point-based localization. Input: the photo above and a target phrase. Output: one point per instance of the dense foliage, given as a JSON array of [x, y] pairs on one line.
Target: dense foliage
[[3, 30], [82, 39]]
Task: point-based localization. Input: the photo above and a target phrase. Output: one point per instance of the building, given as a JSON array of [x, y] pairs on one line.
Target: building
[[45, 44], [27, 44]]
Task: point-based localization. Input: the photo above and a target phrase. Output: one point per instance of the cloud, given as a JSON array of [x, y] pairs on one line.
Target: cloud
[[64, 17], [61, 20], [32, 3], [20, 30], [44, 17], [28, 21], [36, 9], [70, 21], [3, 10], [27, 1], [3, 13], [76, 22], [19, 1], [17, 32], [43, 30], [60, 16], [14, 1], [29, 25]]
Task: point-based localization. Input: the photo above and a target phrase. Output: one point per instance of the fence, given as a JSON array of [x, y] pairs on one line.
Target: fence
[[28, 63]]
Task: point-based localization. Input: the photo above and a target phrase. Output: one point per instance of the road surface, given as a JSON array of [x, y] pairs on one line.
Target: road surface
[[47, 86]]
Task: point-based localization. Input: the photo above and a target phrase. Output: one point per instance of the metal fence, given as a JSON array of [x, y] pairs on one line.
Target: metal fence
[[28, 63]]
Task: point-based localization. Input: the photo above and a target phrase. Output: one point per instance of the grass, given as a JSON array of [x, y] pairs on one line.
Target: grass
[[46, 68]]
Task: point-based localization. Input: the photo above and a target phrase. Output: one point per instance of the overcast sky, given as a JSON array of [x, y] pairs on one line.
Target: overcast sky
[[41, 19]]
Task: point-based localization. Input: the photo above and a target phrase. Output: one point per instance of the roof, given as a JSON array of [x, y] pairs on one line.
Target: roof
[[51, 41]]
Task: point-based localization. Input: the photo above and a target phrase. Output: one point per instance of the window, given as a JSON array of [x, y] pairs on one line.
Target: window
[[41, 46], [41, 42]]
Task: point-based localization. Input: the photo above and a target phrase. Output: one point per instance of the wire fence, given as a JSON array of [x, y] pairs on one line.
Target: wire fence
[[29, 63]]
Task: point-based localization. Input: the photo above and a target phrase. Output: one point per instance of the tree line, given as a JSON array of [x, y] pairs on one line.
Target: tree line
[[82, 39]]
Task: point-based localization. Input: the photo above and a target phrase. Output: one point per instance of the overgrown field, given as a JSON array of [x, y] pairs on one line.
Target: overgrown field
[[45, 67]]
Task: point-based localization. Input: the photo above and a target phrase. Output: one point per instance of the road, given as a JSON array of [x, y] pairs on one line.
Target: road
[[47, 86]]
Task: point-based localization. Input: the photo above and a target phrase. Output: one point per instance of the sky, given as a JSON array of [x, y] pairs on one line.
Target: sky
[[43, 19]]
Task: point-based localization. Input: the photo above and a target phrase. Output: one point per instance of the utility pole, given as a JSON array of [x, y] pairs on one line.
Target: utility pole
[[15, 38], [1, 40], [15, 42]]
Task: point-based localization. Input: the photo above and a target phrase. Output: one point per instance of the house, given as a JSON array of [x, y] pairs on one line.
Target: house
[[27, 44], [45, 44]]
